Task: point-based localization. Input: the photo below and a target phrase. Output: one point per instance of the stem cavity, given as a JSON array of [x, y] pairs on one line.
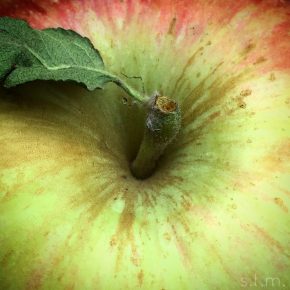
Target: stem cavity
[[162, 125]]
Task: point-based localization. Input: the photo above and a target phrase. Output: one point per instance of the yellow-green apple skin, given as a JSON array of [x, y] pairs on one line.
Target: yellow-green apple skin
[[215, 215]]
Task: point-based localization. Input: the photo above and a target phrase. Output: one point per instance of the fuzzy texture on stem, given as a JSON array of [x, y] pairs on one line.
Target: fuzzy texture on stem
[[162, 125]]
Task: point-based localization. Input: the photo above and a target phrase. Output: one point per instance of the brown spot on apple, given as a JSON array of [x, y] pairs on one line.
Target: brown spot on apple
[[242, 104], [6, 258], [113, 242], [234, 206], [60, 277], [167, 236], [260, 60], [279, 201], [214, 115], [140, 277], [35, 279], [245, 93], [248, 48], [272, 77], [70, 287], [273, 161], [172, 25], [135, 259]]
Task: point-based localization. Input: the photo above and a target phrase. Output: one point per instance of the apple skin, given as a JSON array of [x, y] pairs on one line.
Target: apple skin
[[215, 215]]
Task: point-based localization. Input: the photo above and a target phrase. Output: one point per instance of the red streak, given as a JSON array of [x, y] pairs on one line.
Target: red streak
[[187, 16]]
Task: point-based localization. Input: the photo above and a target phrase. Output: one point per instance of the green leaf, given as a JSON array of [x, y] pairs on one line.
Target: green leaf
[[28, 54]]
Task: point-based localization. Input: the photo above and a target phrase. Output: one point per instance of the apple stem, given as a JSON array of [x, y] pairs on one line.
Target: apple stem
[[162, 125]]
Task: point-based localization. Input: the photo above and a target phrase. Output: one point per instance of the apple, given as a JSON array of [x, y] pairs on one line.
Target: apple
[[215, 213]]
